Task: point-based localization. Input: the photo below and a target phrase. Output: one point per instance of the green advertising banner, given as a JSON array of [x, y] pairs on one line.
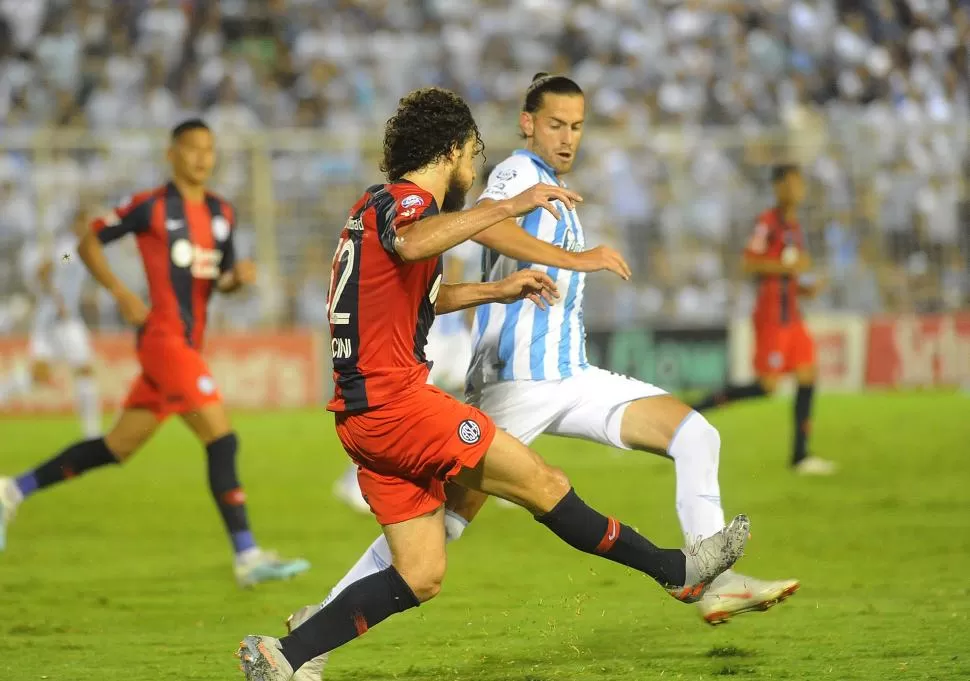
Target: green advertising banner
[[674, 358]]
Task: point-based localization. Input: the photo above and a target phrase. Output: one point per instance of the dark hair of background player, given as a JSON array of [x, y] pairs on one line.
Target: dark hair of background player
[[428, 125], [188, 125], [543, 83]]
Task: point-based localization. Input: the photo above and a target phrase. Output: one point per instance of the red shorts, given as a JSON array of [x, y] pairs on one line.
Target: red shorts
[[174, 380], [782, 349], [406, 450]]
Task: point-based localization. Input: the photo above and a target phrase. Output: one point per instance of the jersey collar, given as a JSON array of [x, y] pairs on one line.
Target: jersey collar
[[537, 160]]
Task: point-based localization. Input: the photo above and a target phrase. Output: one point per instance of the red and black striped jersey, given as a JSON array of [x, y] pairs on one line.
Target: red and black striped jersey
[[185, 246], [380, 307], [777, 302]]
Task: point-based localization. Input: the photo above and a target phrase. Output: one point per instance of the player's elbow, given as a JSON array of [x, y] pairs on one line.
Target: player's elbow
[[409, 251]]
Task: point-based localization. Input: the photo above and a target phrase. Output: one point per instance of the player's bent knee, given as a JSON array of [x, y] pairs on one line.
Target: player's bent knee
[[697, 440], [425, 580], [549, 489]]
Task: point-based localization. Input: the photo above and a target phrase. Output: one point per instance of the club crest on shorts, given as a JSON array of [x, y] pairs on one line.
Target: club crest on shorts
[[206, 385], [469, 432], [776, 359]]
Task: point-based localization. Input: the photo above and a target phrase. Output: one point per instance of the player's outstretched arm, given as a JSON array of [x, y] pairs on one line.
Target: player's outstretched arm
[[532, 284], [509, 239], [430, 237]]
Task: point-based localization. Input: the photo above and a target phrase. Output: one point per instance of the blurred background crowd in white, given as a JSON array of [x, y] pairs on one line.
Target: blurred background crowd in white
[[689, 104]]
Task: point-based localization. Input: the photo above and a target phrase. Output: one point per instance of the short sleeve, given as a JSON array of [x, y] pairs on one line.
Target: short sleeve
[[395, 211], [510, 177], [132, 216]]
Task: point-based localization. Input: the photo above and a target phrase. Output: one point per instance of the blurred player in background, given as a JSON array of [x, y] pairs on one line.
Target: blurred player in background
[[529, 372], [778, 258], [410, 438], [55, 278], [185, 235]]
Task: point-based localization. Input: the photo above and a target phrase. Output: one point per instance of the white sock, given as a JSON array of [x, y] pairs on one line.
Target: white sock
[[18, 383], [87, 403], [349, 476], [696, 450], [377, 557]]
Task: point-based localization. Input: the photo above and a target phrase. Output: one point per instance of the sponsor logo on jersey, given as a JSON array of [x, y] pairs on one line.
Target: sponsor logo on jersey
[[220, 228], [469, 432], [412, 200], [203, 261], [506, 175], [174, 225]]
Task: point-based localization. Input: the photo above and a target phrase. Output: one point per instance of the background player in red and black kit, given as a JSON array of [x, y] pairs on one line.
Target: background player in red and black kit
[[776, 254], [409, 438], [185, 236]]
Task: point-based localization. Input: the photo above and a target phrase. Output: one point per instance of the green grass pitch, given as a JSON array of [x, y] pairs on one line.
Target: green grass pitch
[[124, 575]]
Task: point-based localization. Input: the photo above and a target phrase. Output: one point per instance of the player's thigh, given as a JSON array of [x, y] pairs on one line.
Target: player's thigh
[[42, 349], [133, 428], [523, 409], [602, 408], [209, 422], [512, 471], [418, 552], [74, 343]]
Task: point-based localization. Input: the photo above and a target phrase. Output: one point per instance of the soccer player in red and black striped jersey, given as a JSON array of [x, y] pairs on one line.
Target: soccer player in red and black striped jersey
[[776, 254], [409, 438], [185, 237]]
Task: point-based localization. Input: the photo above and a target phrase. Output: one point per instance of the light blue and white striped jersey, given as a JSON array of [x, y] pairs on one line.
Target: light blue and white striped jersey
[[520, 341]]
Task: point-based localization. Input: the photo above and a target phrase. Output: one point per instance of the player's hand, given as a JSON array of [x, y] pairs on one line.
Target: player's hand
[[245, 272], [133, 309], [532, 284], [543, 196], [603, 258]]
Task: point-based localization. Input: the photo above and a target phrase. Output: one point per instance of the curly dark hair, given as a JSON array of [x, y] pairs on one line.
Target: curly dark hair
[[429, 124]]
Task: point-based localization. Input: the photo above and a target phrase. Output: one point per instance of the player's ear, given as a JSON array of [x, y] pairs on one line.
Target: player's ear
[[527, 123]]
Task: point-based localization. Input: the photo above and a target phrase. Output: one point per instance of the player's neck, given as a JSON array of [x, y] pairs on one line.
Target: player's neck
[[189, 190], [787, 213], [431, 181]]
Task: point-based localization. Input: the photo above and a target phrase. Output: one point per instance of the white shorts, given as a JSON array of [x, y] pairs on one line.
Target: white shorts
[[64, 341], [451, 355], [589, 406]]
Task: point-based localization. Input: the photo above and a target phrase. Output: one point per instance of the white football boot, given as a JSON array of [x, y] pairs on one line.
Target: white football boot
[[733, 594], [708, 558], [814, 465], [10, 499]]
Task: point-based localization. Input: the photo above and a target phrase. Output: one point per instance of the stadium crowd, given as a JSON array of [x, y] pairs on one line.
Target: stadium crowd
[[689, 104]]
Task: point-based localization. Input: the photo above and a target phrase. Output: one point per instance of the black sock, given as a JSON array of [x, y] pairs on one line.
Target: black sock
[[730, 393], [591, 532], [227, 492], [76, 459], [363, 604], [803, 421]]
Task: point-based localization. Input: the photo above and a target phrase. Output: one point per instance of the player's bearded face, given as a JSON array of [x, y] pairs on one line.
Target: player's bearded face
[[461, 181], [557, 128]]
